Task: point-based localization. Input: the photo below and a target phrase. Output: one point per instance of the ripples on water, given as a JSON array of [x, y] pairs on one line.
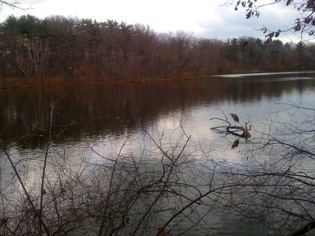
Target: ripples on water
[[94, 123]]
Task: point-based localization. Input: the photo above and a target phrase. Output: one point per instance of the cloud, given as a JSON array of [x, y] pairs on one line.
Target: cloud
[[203, 18], [233, 24]]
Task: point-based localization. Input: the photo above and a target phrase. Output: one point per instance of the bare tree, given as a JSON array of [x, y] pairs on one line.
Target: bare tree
[[12, 4], [303, 24], [167, 187]]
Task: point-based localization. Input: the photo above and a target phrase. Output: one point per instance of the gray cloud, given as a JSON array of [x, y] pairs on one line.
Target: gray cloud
[[204, 18]]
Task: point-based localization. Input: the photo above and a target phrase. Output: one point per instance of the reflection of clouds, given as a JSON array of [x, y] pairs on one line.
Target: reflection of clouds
[[168, 129], [172, 121]]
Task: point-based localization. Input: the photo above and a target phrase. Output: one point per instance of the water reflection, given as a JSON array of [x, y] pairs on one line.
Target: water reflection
[[94, 111], [93, 123]]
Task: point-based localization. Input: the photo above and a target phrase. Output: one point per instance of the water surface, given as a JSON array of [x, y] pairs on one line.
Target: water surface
[[91, 122]]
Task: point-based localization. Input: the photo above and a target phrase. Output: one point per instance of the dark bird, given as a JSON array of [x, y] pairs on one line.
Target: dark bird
[[235, 117]]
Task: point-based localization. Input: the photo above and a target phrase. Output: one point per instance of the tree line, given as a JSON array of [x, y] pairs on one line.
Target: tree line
[[58, 48]]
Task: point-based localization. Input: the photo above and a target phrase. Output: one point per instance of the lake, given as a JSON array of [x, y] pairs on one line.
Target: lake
[[94, 124]]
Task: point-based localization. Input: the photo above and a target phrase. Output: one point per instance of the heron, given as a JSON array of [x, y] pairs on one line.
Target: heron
[[235, 118]]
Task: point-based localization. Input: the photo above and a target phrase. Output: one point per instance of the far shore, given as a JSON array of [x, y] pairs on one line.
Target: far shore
[[13, 83]]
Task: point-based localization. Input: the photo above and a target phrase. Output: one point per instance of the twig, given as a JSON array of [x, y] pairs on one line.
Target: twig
[[36, 212]]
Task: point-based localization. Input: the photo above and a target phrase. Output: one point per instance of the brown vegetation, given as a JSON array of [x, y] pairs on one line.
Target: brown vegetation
[[58, 50]]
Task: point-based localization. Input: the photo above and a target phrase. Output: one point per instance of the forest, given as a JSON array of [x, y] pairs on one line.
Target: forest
[[58, 49], [57, 177]]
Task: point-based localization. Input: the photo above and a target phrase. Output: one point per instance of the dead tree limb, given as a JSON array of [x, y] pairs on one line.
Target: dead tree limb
[[239, 131]]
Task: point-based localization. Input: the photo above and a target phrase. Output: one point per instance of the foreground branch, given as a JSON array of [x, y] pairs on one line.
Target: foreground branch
[[306, 228]]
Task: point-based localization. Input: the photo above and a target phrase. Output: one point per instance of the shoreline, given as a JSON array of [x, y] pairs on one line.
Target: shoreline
[[17, 83]]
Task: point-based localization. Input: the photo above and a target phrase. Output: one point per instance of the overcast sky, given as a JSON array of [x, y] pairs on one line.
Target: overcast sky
[[202, 18]]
